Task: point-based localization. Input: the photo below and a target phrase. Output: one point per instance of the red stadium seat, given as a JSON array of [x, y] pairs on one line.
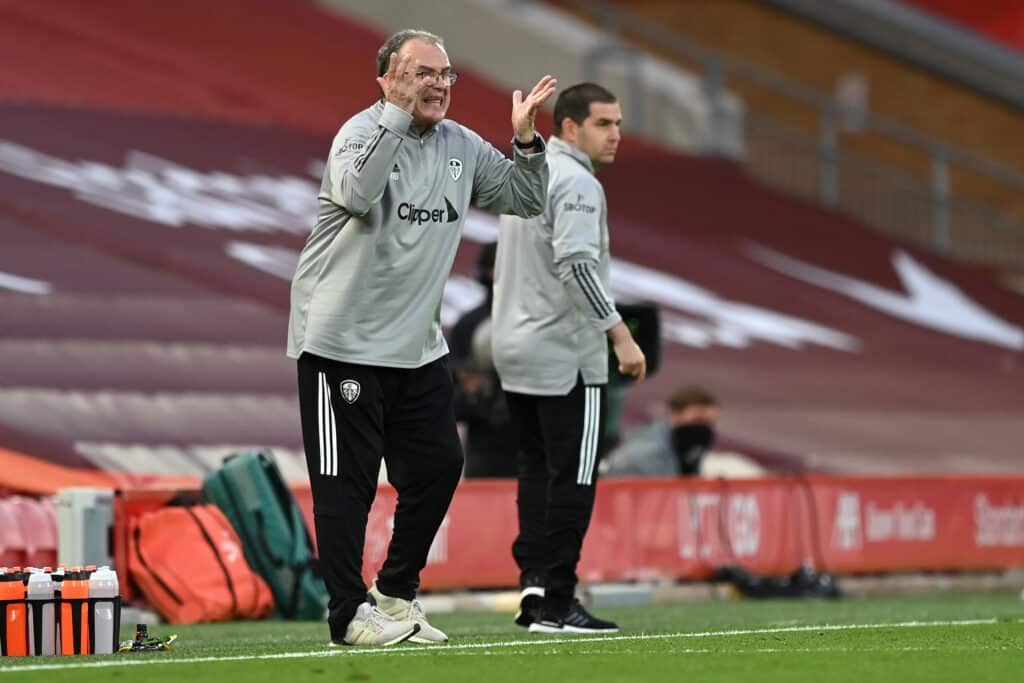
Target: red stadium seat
[[37, 519], [12, 539]]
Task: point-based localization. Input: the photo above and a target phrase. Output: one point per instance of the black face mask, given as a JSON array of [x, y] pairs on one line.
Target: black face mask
[[690, 442]]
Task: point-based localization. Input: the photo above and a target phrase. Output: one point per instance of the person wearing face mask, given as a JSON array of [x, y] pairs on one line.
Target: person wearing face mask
[[365, 328], [671, 446]]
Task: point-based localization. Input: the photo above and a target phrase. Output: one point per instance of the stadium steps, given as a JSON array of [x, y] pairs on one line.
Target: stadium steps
[[132, 364]]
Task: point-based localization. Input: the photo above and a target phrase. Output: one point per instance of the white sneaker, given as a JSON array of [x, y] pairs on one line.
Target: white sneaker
[[370, 626], [410, 610]]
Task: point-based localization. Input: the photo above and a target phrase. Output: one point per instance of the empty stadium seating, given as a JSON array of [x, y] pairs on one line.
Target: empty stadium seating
[[28, 532], [148, 229]]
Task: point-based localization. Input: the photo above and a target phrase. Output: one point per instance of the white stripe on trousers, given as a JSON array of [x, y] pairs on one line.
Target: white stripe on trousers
[[591, 427], [328, 430]]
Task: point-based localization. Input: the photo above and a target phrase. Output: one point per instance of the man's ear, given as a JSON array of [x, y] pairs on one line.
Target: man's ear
[[569, 130]]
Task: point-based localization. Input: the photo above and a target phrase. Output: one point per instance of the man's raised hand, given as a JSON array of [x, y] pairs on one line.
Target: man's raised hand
[[524, 110], [400, 85]]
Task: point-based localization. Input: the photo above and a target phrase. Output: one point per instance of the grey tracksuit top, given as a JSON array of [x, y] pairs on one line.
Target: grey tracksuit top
[[551, 308], [371, 276]]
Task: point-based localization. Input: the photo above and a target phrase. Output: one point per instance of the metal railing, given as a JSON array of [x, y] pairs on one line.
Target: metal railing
[[928, 211]]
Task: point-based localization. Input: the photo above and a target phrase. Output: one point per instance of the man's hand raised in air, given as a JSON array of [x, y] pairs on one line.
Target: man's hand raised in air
[[524, 109]]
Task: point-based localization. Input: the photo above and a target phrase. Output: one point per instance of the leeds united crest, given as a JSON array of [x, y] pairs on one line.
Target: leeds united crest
[[350, 390]]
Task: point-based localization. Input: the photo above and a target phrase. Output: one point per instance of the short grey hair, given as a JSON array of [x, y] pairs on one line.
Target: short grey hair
[[397, 40]]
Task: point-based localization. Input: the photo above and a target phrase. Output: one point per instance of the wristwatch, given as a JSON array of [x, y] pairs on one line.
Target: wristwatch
[[535, 143]]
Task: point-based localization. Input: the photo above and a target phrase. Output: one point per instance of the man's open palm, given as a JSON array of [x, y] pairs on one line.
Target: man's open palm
[[524, 109]]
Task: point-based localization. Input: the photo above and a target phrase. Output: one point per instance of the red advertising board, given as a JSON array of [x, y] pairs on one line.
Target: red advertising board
[[936, 523], [686, 528]]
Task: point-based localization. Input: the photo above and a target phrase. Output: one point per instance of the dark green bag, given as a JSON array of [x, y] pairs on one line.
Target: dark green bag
[[249, 489]]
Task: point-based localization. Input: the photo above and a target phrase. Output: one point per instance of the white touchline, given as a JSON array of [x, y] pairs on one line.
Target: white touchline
[[540, 642], [406, 652]]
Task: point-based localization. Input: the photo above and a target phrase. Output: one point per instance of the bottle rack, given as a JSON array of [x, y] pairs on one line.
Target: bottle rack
[[35, 605]]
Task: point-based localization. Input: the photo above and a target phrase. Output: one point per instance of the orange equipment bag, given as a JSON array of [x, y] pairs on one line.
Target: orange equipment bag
[[188, 562]]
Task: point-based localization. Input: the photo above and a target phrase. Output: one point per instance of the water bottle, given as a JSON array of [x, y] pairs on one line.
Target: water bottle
[[74, 613], [12, 588], [104, 589], [41, 619], [58, 589]]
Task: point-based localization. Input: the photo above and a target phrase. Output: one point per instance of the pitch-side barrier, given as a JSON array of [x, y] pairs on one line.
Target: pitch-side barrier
[[685, 528]]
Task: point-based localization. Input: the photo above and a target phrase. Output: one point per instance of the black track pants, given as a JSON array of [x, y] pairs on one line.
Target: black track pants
[[560, 448], [352, 416]]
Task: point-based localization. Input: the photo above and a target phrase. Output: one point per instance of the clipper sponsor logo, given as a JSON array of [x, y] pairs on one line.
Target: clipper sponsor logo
[[997, 525], [420, 216], [579, 206]]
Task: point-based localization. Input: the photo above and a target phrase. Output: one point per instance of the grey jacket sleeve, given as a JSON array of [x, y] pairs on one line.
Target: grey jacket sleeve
[[362, 156], [645, 452], [576, 240], [518, 187]]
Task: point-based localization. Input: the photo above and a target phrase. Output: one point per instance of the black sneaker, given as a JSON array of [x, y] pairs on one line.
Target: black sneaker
[[579, 620], [547, 625], [576, 620], [530, 599]]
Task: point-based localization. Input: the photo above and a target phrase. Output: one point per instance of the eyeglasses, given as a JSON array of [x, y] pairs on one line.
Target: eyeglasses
[[448, 77]]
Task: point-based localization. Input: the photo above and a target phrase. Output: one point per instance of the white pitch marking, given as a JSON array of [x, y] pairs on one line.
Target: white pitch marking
[[540, 642], [404, 652]]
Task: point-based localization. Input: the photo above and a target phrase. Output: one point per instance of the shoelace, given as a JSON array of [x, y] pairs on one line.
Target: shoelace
[[416, 611], [377, 619]]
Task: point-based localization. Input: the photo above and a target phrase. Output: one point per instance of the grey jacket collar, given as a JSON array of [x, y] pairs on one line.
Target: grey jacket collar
[[560, 146], [412, 132]]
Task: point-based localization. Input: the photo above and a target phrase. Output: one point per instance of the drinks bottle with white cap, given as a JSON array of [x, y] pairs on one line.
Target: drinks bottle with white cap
[[42, 636], [103, 593]]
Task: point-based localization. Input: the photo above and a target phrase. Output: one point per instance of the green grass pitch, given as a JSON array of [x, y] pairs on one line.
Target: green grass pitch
[[970, 638]]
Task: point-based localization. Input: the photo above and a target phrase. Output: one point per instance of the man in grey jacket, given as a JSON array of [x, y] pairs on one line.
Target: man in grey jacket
[[553, 318], [674, 445], [365, 325]]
